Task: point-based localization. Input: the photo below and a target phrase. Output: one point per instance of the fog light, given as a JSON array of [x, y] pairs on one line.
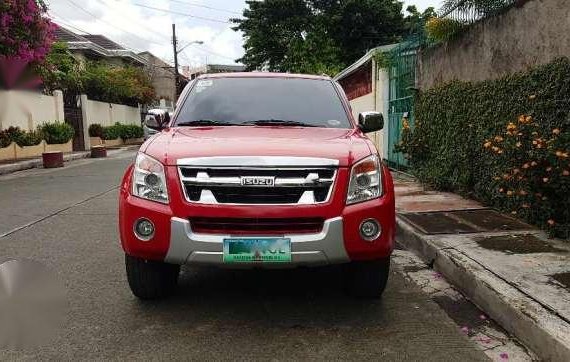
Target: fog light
[[370, 229], [144, 229]]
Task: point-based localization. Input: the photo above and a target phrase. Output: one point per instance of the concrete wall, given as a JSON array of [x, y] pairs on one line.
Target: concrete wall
[[375, 101], [530, 33], [107, 114], [27, 110]]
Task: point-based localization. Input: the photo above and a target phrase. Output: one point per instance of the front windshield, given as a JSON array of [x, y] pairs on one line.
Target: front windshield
[[263, 101]]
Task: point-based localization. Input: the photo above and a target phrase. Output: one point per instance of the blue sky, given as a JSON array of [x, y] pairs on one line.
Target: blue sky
[[146, 25]]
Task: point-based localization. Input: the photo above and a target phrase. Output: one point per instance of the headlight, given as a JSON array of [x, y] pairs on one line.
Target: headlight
[[365, 181], [149, 179]]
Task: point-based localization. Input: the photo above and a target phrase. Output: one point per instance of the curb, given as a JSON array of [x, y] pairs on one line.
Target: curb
[[37, 163], [541, 330]]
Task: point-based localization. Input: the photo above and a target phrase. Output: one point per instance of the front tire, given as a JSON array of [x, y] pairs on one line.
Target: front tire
[[368, 279], [150, 279]]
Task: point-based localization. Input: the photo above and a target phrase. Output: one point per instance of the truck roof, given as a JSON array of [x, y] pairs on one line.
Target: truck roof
[[262, 75]]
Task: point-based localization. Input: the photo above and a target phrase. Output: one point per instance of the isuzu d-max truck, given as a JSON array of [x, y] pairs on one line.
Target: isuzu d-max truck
[[258, 170]]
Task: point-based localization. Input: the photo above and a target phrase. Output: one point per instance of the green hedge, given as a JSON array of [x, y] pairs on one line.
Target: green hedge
[[96, 130], [504, 142], [111, 132], [118, 130], [130, 131]]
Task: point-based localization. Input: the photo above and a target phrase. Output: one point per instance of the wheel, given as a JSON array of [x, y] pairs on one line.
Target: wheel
[[368, 279], [150, 279]]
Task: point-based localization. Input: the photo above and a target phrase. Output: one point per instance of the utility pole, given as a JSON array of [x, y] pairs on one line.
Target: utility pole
[[176, 75]]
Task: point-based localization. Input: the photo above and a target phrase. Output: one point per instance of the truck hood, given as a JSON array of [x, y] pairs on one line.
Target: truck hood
[[345, 145]]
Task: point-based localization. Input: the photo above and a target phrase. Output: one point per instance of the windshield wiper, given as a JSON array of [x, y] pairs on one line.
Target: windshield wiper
[[205, 122], [279, 122]]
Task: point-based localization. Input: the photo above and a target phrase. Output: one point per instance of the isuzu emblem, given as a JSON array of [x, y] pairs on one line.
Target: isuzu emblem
[[262, 181]]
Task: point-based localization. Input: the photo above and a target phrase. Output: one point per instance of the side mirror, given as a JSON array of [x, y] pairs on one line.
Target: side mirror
[[151, 122], [370, 121]]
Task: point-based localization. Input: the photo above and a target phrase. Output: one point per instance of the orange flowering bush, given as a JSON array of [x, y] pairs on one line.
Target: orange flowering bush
[[504, 142], [534, 177]]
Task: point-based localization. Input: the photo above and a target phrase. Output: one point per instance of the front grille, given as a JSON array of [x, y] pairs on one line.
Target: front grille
[[256, 226], [223, 185]]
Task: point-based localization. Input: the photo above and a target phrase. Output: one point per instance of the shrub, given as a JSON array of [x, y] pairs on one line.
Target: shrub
[[56, 132], [30, 138], [114, 84], [111, 132], [4, 139], [534, 171], [21, 138], [131, 131], [461, 142], [96, 130], [26, 35], [9, 135]]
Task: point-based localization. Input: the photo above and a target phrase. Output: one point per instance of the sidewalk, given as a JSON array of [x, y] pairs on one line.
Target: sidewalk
[[509, 269], [20, 165]]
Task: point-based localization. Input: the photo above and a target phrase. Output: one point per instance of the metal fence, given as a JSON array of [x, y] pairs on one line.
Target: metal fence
[[402, 76], [470, 11]]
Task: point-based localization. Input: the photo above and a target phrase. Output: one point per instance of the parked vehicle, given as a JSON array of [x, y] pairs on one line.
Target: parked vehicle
[[259, 170]]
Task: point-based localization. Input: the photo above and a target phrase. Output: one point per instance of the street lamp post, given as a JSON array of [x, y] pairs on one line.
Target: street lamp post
[[176, 52]]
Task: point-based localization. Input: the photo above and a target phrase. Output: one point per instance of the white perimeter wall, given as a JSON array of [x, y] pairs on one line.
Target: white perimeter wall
[[377, 100], [107, 114], [27, 110]]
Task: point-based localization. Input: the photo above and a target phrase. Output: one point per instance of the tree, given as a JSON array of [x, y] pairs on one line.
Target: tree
[[26, 36], [61, 71], [316, 36], [415, 21]]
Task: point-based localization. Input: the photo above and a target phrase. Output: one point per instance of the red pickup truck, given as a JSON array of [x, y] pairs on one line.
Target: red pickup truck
[[259, 170]]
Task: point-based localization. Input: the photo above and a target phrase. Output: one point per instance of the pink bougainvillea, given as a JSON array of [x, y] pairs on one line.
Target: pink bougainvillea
[[26, 36]]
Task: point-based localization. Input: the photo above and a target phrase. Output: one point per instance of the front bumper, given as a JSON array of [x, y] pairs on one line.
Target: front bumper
[[326, 247], [338, 242]]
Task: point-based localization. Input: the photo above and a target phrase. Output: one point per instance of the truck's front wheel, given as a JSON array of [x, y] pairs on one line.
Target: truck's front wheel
[[368, 279], [150, 279]]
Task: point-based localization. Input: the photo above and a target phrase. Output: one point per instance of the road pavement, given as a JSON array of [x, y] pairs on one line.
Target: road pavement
[[67, 220]]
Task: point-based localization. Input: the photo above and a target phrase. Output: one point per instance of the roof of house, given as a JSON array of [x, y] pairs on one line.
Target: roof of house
[[360, 62], [103, 41], [98, 44], [64, 35]]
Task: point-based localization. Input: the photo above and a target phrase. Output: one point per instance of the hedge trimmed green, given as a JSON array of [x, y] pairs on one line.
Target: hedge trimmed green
[[118, 130], [131, 131], [95, 130], [504, 142], [112, 132]]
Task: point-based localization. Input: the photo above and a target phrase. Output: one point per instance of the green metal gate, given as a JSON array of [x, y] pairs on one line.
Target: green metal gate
[[403, 59]]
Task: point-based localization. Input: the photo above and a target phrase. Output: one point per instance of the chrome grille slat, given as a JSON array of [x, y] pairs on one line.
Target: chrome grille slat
[[222, 185]]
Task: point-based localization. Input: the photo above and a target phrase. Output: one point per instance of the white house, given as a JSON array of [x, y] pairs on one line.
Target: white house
[[366, 85]]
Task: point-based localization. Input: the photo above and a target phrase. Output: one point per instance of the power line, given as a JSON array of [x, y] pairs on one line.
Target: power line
[[108, 23], [166, 38], [213, 53], [205, 6], [183, 14]]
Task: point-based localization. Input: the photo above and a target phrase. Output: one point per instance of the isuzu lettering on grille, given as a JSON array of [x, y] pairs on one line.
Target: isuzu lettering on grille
[[262, 181]]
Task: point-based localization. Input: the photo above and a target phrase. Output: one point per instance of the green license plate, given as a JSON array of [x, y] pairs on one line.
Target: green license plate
[[240, 250]]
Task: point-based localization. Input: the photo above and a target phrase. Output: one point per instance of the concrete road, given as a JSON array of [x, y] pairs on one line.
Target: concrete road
[[71, 218]]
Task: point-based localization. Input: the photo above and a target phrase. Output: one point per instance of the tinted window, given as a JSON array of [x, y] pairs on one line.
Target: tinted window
[[239, 100]]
